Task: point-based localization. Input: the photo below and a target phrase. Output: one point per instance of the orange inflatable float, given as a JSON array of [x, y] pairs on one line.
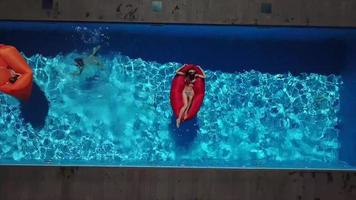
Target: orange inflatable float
[[15, 73]]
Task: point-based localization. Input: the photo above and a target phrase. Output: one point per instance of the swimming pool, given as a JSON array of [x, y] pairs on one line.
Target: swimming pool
[[276, 97]]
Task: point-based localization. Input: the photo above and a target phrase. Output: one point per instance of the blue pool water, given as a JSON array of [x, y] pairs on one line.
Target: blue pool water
[[275, 97]]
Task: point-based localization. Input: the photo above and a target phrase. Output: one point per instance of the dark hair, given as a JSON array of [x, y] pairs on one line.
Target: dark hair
[[13, 79], [79, 62], [190, 75]]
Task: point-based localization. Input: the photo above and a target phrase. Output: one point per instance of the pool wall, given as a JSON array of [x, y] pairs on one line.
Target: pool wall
[[147, 183], [288, 12]]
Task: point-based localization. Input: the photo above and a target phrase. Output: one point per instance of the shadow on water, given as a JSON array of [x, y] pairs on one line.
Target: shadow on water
[[35, 110], [185, 135]]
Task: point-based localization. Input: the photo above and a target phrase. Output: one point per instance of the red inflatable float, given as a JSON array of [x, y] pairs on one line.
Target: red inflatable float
[[176, 96], [15, 73]]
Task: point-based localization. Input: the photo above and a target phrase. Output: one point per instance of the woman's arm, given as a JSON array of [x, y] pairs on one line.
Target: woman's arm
[[95, 50], [13, 73], [201, 76], [179, 72]]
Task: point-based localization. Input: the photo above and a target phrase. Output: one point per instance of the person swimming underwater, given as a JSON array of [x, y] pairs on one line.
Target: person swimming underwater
[[92, 59]]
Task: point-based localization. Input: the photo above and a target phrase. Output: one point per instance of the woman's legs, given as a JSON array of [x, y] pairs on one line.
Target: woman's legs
[[182, 110], [190, 99]]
